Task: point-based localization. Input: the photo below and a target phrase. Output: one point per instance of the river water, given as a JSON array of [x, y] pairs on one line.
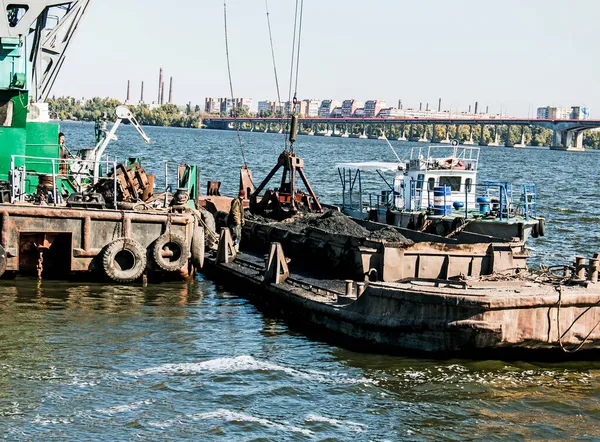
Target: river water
[[193, 361]]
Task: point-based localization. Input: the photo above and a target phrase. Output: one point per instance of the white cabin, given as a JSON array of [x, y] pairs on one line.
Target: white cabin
[[437, 166]]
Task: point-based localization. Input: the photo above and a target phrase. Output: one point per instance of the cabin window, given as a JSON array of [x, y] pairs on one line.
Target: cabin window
[[420, 179], [15, 13], [430, 184], [468, 184], [452, 181]]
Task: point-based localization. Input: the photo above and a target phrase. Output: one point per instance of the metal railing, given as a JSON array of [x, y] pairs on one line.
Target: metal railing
[[434, 156], [78, 172], [505, 201]]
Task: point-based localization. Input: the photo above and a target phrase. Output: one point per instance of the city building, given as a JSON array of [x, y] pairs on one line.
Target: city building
[[264, 106], [312, 108], [337, 112], [245, 103], [303, 108], [391, 112], [373, 107], [212, 105], [349, 107], [326, 108], [580, 113], [277, 107], [560, 113], [360, 113], [225, 106]]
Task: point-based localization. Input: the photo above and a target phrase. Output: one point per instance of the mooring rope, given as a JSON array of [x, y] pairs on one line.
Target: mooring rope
[[561, 336], [237, 128]]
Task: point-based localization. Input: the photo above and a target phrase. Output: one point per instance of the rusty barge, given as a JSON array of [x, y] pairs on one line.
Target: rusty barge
[[433, 309], [86, 214]]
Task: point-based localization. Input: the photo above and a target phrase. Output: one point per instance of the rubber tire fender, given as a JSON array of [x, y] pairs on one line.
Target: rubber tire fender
[[534, 231], [198, 246], [440, 228], [542, 227], [112, 268], [173, 239], [457, 222], [209, 220], [3, 261]]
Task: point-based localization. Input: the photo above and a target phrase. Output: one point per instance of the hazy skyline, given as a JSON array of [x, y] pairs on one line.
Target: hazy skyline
[[514, 56]]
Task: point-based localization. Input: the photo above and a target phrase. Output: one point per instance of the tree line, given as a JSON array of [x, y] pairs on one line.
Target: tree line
[[69, 108]]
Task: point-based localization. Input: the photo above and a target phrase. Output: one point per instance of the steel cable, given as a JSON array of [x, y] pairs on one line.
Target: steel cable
[[275, 71], [237, 128]]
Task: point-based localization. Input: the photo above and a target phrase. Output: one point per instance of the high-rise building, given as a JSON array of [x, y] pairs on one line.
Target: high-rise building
[[245, 103], [579, 113], [264, 106], [337, 112], [326, 108], [553, 113], [212, 105], [226, 106], [360, 113], [372, 108], [312, 108], [349, 107]]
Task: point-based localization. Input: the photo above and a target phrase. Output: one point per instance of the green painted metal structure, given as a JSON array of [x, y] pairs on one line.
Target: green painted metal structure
[[17, 135]]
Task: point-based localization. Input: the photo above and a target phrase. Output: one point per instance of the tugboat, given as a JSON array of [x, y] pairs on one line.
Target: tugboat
[[436, 190], [86, 213]]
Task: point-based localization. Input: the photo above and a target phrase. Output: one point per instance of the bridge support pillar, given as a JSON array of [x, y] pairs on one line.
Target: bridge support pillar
[[434, 137], [579, 141], [363, 133], [507, 141], [346, 134], [522, 143], [447, 139], [383, 134], [570, 140], [423, 138], [402, 134], [482, 140], [470, 140], [496, 140]]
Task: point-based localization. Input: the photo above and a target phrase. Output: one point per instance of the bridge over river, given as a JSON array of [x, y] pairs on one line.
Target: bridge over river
[[567, 134]]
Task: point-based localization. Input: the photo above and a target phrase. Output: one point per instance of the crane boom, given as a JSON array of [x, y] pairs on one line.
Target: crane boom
[[52, 24]]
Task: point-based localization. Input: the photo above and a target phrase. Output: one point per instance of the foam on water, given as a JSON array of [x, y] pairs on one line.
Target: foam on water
[[355, 427], [124, 408], [234, 416], [246, 363]]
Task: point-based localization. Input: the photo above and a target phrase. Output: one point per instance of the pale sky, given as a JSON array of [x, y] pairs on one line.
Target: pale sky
[[511, 54]]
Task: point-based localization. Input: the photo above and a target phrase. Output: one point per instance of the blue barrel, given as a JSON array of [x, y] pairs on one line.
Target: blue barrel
[[484, 204], [442, 197]]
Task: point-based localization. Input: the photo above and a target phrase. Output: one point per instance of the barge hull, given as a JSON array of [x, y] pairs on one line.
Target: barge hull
[[392, 319], [80, 235]]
